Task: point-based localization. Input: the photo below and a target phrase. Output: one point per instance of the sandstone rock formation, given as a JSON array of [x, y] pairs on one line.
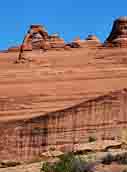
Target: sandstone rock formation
[[55, 41], [91, 42], [38, 38], [62, 98], [104, 117], [118, 35], [92, 38], [35, 37]]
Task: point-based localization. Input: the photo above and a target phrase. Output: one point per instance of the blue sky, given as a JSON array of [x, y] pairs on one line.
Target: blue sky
[[70, 18]]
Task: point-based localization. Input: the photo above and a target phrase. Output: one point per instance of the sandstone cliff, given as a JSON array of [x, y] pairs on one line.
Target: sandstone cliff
[[103, 117]]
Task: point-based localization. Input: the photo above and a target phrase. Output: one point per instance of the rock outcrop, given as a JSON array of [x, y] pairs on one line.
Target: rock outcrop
[[90, 42], [104, 117], [93, 42], [118, 35], [38, 38]]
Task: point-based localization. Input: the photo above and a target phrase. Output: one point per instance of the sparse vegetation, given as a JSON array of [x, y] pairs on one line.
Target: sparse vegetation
[[9, 164], [68, 163], [119, 158], [125, 170], [92, 138], [52, 149], [108, 159]]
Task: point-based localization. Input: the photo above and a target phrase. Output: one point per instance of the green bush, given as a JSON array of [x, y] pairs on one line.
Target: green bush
[[119, 158], [125, 170], [92, 139], [68, 163], [9, 164], [108, 159]]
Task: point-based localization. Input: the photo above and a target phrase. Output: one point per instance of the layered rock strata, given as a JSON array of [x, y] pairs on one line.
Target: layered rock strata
[[118, 35], [38, 38], [104, 117], [90, 42]]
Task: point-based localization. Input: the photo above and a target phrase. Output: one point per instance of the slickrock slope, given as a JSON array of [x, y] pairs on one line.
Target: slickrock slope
[[56, 80]]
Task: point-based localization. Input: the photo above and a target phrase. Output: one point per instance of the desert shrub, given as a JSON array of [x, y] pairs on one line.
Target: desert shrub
[[92, 139], [9, 164], [125, 170], [108, 159], [47, 167], [52, 149], [121, 158], [68, 163]]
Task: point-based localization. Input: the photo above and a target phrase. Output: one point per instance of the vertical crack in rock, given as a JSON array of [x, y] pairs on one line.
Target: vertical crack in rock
[[103, 117]]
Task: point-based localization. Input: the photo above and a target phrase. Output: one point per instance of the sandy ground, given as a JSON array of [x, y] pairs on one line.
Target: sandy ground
[[35, 167]]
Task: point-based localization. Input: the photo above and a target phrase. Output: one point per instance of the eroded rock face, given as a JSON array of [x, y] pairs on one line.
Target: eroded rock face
[[103, 117], [91, 42], [118, 35], [38, 38]]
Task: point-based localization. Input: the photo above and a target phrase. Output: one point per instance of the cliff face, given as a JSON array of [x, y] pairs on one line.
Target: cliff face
[[104, 117]]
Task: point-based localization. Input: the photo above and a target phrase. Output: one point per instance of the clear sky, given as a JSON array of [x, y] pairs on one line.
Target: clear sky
[[70, 18]]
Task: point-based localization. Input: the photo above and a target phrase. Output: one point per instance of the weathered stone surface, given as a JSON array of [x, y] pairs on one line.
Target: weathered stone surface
[[92, 38], [51, 153], [35, 37], [90, 42], [38, 38], [103, 117], [98, 146], [93, 42], [118, 35]]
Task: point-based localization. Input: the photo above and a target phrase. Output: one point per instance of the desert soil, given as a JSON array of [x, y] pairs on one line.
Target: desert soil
[[34, 167]]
